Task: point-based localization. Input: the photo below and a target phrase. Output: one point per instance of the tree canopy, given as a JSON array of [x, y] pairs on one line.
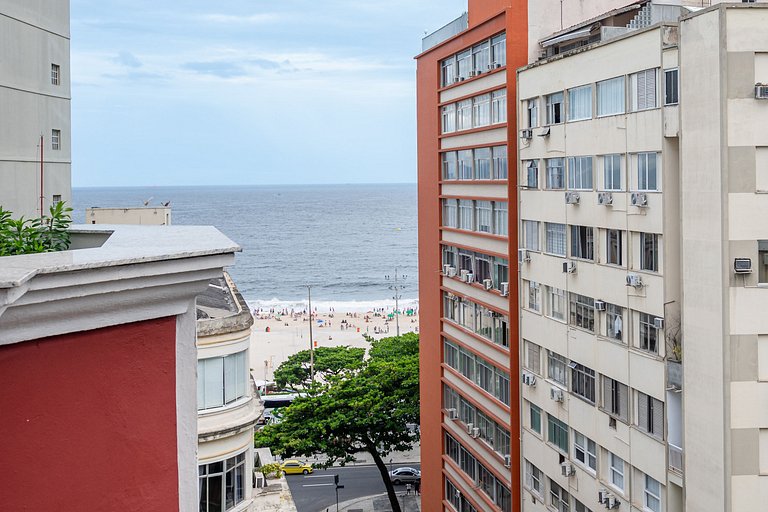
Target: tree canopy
[[330, 362], [367, 410]]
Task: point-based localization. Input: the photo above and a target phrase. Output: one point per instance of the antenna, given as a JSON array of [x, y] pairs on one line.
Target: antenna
[[395, 287]]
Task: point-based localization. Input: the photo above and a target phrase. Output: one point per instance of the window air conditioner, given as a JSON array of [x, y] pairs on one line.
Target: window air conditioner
[[456, 79], [504, 289], [498, 65], [612, 502], [634, 280], [472, 73], [470, 277], [742, 265], [761, 91], [452, 414], [572, 198], [602, 496], [529, 379], [487, 284], [605, 198], [446, 269], [475, 432], [463, 274], [569, 267], [523, 256], [452, 272], [639, 199], [567, 469], [556, 394], [470, 426], [526, 134], [599, 305], [507, 461], [658, 323]]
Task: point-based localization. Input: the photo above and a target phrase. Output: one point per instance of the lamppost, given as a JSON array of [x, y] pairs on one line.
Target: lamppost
[[311, 341], [395, 287]]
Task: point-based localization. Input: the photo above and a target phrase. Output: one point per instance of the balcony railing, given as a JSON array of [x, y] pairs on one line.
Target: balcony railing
[[675, 458]]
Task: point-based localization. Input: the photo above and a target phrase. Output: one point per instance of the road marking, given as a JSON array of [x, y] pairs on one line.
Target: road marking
[[319, 476], [316, 485]]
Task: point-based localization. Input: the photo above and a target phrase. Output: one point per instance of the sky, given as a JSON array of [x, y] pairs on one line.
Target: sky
[[202, 92]]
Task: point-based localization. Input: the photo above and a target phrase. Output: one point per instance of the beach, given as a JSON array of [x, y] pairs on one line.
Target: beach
[[277, 334]]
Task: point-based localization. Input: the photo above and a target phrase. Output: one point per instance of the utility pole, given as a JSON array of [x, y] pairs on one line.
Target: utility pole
[[311, 341], [396, 288]]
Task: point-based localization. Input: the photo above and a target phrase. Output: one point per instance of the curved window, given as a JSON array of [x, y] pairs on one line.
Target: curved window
[[221, 380]]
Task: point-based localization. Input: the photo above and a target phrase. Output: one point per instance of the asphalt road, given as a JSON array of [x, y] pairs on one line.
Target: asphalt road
[[315, 492]]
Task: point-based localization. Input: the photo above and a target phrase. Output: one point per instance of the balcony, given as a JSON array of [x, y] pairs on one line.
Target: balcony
[[675, 459]]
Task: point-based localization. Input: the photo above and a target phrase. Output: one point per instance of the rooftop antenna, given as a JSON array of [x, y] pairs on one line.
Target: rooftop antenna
[[146, 203]]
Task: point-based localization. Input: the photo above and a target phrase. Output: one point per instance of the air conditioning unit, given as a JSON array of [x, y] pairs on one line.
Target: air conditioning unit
[[658, 323], [470, 277], [526, 133], [472, 73], [451, 271], [556, 394], [567, 469], [457, 79], [612, 502], [639, 199], [470, 426], [475, 432], [504, 289], [507, 461], [452, 414], [572, 198], [529, 379], [761, 92], [742, 265], [463, 274], [523, 256], [569, 267], [605, 198], [599, 305], [602, 496], [634, 280], [487, 284], [498, 65], [446, 269]]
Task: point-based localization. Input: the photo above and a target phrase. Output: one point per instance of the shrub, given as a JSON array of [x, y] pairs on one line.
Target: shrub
[[26, 236]]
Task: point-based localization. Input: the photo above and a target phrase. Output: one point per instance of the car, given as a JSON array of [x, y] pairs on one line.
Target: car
[[403, 475], [294, 467]]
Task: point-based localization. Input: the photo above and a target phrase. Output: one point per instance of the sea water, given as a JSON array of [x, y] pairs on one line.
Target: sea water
[[342, 240]]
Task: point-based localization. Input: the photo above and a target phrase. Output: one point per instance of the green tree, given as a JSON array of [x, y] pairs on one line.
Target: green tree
[[369, 411], [25, 236], [330, 362]]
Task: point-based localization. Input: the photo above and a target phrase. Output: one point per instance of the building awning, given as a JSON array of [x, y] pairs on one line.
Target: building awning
[[570, 36]]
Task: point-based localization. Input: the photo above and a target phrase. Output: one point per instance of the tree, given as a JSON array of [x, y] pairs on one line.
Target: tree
[[330, 362], [27, 236], [365, 411]]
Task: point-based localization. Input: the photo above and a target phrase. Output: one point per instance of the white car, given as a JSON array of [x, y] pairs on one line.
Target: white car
[[403, 475]]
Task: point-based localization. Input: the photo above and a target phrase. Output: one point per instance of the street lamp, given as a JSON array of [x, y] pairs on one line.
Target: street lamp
[[395, 287], [311, 341]]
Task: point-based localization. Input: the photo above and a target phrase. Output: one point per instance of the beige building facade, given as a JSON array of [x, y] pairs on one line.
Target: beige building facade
[[144, 215], [35, 106]]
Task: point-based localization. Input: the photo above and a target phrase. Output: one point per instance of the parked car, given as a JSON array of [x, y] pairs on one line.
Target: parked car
[[294, 467], [403, 475]]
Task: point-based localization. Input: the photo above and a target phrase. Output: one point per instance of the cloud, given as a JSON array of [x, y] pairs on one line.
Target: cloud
[[268, 64], [220, 69], [128, 59], [229, 19]]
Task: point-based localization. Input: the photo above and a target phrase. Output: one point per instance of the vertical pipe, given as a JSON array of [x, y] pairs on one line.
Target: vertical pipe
[[41, 176]]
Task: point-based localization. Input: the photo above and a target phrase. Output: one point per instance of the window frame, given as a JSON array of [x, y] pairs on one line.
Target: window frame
[[647, 175], [616, 471], [671, 86], [649, 337], [642, 84], [614, 246], [580, 173], [648, 493], [556, 239], [557, 434], [611, 171], [588, 449], [557, 368], [583, 382], [555, 113], [576, 95], [582, 311], [600, 87], [615, 398], [554, 173], [650, 252], [582, 242], [55, 74], [55, 139]]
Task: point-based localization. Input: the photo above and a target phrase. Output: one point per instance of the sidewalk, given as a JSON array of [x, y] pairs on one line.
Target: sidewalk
[[378, 503], [412, 456], [276, 497]]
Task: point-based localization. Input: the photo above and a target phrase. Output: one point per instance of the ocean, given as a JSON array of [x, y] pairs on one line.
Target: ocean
[[342, 240]]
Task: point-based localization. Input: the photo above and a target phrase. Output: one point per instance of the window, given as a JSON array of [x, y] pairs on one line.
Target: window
[[612, 172], [579, 506], [450, 164], [532, 113], [557, 433], [533, 357], [531, 235], [649, 334], [643, 86], [652, 494], [615, 399], [499, 50], [56, 199], [585, 451], [555, 174], [55, 74], [646, 171], [558, 497], [464, 64], [55, 139], [500, 171], [535, 418], [534, 296], [448, 67], [556, 303], [762, 261], [616, 471], [582, 311], [580, 172], [481, 110], [449, 118], [466, 209], [482, 163], [532, 174], [456, 499], [450, 354], [556, 368], [671, 89], [533, 478], [555, 108], [614, 320], [221, 380], [650, 415], [583, 381], [500, 219], [483, 216], [613, 246], [580, 103], [450, 214], [222, 484], [499, 106], [481, 57], [465, 161], [555, 238], [610, 96], [582, 242], [649, 245], [464, 115]]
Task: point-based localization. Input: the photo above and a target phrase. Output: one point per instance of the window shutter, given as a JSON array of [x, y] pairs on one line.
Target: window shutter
[[658, 418], [641, 91], [623, 401], [650, 88], [642, 411]]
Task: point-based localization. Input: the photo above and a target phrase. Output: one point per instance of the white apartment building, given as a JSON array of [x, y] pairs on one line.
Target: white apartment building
[[34, 105], [642, 177]]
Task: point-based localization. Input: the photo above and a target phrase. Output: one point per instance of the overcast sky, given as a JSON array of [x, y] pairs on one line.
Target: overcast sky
[[201, 92]]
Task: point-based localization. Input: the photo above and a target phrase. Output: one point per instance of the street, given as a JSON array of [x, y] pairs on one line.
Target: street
[[315, 492]]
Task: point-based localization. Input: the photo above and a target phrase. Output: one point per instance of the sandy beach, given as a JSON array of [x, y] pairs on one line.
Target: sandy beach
[[278, 334]]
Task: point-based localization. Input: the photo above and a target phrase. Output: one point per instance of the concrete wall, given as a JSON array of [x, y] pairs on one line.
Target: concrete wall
[[148, 215]]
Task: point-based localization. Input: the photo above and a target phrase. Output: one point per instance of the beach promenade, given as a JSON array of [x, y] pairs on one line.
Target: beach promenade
[[278, 334]]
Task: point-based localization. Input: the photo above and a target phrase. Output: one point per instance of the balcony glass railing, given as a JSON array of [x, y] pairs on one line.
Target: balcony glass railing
[[675, 458]]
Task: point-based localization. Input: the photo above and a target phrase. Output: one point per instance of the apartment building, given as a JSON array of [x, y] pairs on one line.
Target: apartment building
[[580, 225], [35, 141]]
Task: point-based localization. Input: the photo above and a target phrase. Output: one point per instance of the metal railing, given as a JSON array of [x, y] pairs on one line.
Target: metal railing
[[675, 458]]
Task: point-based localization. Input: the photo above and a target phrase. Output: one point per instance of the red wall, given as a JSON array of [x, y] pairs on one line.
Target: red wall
[[88, 420]]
